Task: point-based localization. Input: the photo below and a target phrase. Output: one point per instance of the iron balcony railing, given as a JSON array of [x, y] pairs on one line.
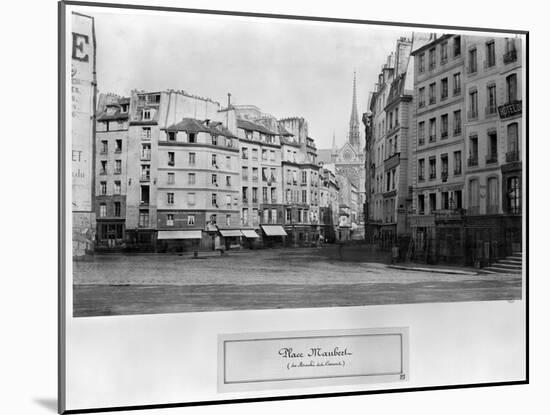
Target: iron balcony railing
[[472, 161]]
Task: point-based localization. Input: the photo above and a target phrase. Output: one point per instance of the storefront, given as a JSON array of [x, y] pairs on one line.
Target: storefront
[[178, 241], [273, 236], [110, 234], [250, 238], [231, 238], [450, 237], [422, 246]]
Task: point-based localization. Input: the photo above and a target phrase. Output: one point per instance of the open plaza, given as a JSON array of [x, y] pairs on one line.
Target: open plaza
[[330, 276]]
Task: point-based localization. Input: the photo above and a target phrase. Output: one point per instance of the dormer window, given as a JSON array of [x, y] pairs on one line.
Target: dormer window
[[146, 115], [171, 136], [214, 140], [191, 137], [124, 107]]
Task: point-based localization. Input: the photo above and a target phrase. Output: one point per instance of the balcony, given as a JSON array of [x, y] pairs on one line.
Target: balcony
[[432, 138], [421, 104], [491, 159], [510, 56], [472, 115], [145, 178], [421, 178], [444, 176], [456, 92], [421, 141], [512, 156], [457, 131], [444, 134], [146, 156], [457, 172], [472, 161], [432, 100]]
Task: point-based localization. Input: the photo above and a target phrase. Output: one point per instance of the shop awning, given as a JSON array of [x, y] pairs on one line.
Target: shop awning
[[230, 232], [249, 233], [179, 235], [274, 230]]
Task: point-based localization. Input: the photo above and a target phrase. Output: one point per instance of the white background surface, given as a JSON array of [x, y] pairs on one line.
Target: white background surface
[[29, 169]]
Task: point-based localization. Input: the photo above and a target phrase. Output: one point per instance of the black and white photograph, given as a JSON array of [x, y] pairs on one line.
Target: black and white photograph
[[230, 163], [264, 206]]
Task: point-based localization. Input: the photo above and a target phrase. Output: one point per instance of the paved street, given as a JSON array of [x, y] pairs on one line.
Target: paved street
[[267, 279]]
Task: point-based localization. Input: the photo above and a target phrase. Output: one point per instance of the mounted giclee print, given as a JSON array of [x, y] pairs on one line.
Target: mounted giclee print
[[260, 206]]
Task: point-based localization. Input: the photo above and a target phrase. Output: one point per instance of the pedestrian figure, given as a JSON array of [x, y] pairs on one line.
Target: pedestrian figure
[[394, 254], [340, 250]]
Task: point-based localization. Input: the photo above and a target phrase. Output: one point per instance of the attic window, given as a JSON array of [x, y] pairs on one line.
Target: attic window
[[191, 137], [124, 107], [171, 136], [146, 115]]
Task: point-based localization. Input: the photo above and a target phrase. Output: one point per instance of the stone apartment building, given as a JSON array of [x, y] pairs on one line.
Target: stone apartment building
[[197, 185], [493, 133], [151, 156], [388, 149], [300, 180], [328, 204], [111, 167], [438, 150], [379, 99]]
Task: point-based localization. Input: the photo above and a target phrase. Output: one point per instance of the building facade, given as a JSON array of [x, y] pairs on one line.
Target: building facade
[[438, 150], [111, 167], [197, 186], [493, 133], [150, 158]]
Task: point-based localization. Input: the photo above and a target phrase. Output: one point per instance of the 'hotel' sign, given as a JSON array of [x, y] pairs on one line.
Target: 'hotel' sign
[[510, 109]]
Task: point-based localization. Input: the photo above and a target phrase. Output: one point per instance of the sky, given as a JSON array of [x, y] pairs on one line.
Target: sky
[[286, 68]]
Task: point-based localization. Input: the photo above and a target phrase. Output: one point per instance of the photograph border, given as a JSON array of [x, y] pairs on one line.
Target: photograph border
[[62, 200]]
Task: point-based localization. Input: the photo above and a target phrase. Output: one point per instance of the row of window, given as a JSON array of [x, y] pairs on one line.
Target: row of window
[[116, 188], [104, 149], [444, 127], [103, 167], [512, 153], [443, 54], [191, 138], [450, 200], [389, 184], [244, 154], [444, 167], [265, 192], [510, 55], [443, 90], [265, 138], [491, 106], [215, 161], [171, 199], [116, 212], [269, 175]]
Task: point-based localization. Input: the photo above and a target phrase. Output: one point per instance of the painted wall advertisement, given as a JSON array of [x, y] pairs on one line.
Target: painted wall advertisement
[[83, 87]]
